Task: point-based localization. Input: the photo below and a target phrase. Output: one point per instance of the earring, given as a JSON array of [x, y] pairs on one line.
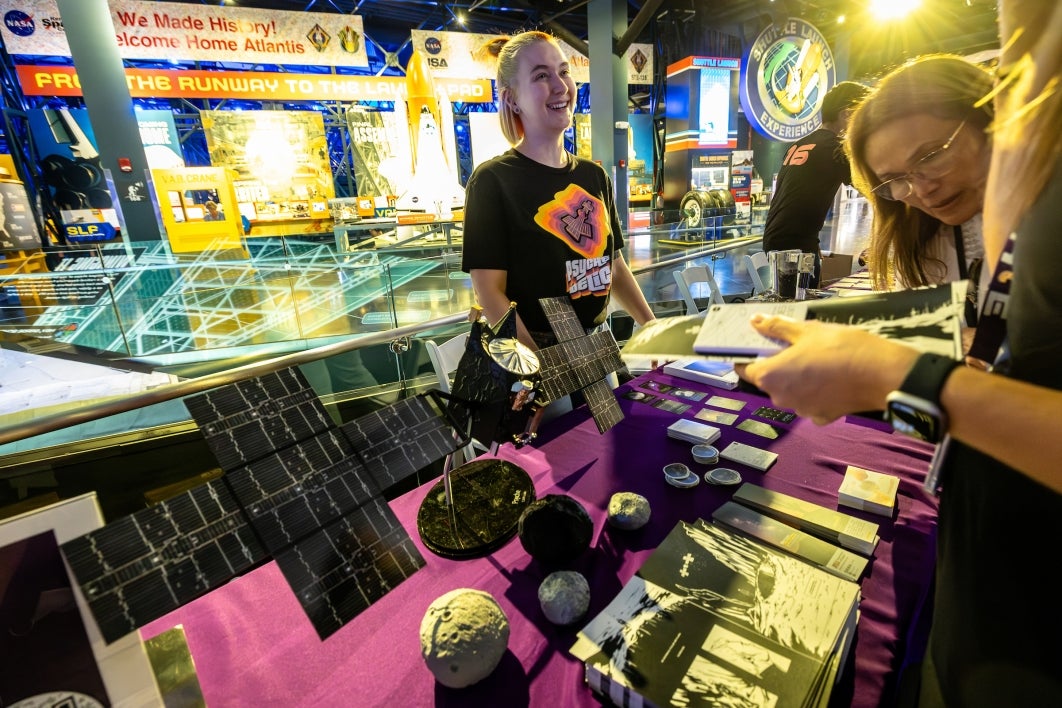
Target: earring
[[516, 108]]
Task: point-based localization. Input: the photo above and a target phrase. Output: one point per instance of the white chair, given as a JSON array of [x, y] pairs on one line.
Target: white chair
[[759, 271], [687, 278], [444, 359]]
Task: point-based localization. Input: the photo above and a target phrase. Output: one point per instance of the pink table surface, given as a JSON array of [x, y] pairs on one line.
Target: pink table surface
[[253, 645]]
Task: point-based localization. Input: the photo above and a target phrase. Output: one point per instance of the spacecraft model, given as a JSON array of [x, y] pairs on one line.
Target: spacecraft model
[[297, 489], [434, 186]]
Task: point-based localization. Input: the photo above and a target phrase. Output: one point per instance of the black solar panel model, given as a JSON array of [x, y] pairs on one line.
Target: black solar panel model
[[296, 488], [398, 440], [142, 566], [580, 362]]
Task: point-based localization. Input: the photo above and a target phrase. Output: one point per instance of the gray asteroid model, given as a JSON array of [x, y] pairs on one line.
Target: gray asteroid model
[[628, 511], [564, 596], [463, 636]]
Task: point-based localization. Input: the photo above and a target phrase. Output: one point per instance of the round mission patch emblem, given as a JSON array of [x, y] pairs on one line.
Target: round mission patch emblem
[[787, 72]]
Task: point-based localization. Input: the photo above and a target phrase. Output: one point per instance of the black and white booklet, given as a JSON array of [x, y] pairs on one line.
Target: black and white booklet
[[928, 319], [664, 340], [712, 615]]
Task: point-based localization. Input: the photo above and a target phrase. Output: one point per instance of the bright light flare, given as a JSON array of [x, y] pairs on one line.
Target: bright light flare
[[893, 9]]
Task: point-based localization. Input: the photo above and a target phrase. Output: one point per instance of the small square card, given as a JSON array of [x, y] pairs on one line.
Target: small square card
[[868, 490], [713, 416], [666, 404], [689, 394], [731, 404], [774, 414], [757, 427], [641, 396], [754, 457], [657, 386]]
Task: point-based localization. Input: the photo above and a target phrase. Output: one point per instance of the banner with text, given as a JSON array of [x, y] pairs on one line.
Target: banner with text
[[182, 31], [250, 85]]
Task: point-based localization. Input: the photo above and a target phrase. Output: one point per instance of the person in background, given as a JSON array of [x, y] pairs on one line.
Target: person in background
[[995, 625], [812, 170], [919, 152], [539, 221], [213, 213]]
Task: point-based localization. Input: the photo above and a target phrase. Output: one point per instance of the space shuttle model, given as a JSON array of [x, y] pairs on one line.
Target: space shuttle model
[[434, 187]]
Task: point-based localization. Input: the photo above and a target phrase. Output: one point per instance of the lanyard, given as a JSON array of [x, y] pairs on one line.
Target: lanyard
[[960, 252], [992, 322], [988, 338]]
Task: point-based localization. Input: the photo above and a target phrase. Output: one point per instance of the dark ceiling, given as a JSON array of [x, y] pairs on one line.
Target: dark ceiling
[[677, 27]]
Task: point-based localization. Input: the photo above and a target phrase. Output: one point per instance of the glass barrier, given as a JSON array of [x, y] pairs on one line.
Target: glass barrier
[[140, 307]]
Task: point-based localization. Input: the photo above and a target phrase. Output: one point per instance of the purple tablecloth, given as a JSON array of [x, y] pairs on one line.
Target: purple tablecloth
[[253, 645]]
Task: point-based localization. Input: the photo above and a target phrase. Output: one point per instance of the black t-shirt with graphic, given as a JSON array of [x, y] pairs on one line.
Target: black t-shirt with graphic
[[554, 230]]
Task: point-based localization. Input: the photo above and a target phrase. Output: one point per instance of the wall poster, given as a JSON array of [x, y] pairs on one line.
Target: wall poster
[[280, 159]]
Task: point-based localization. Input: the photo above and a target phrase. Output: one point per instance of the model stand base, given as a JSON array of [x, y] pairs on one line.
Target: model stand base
[[489, 496]]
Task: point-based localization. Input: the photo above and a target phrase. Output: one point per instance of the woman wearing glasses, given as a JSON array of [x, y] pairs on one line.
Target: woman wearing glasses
[[920, 153], [994, 639]]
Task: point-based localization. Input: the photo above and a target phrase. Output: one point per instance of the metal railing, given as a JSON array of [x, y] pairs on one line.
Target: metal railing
[[95, 411]]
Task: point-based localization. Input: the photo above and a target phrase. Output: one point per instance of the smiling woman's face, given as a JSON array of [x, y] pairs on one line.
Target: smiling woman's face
[[896, 147]]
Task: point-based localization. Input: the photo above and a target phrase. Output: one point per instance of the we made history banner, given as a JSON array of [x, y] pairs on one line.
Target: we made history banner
[[196, 32]]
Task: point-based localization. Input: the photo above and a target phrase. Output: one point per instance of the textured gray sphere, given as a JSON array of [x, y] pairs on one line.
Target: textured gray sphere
[[564, 596], [463, 636], [628, 511]]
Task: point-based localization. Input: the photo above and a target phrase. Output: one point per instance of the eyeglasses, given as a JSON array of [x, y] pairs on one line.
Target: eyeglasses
[[933, 165]]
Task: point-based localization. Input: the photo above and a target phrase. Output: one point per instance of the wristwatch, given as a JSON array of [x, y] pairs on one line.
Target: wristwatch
[[914, 409]]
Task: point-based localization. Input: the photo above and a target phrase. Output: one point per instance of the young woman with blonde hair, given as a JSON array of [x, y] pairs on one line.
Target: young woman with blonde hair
[[539, 221]]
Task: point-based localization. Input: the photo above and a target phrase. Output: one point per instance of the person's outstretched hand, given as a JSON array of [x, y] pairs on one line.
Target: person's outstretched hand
[[828, 370]]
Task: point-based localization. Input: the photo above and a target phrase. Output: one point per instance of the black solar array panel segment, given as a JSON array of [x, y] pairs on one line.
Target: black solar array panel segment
[[346, 567], [248, 420], [299, 489], [296, 487], [396, 441], [562, 318], [140, 567], [601, 400]]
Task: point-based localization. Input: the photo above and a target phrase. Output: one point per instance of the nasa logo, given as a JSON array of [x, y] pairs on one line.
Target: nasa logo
[[432, 45], [19, 23], [787, 71]]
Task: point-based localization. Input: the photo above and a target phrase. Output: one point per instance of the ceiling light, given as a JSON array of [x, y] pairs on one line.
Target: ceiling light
[[893, 9]]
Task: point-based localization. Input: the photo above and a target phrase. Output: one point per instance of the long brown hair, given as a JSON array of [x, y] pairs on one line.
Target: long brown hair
[[940, 85]]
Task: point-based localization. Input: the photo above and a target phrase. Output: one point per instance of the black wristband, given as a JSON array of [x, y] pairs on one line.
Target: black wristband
[[914, 409], [926, 378]]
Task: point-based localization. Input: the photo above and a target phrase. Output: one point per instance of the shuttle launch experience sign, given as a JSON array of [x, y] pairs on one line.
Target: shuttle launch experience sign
[[196, 32], [786, 74]]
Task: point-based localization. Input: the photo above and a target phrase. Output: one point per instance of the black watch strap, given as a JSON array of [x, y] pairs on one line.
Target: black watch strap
[[926, 378]]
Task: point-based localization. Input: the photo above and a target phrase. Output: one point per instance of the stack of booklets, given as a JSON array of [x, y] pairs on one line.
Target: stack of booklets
[[849, 531], [869, 491], [833, 559], [716, 618]]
